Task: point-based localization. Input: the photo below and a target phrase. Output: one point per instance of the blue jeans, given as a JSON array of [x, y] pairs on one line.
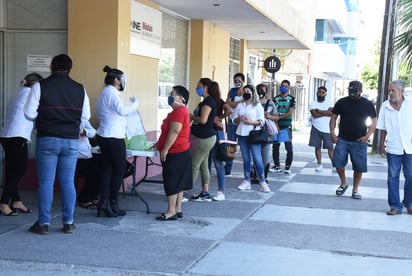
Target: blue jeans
[[357, 152], [395, 162], [56, 156], [232, 136], [251, 150], [219, 166]]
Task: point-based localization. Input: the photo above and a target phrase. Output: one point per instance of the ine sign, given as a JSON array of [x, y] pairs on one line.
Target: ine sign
[[272, 64]]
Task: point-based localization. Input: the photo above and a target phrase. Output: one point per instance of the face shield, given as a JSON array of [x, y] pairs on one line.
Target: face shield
[[122, 82]]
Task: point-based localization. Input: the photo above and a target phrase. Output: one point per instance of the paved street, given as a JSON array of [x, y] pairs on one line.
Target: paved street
[[300, 228]]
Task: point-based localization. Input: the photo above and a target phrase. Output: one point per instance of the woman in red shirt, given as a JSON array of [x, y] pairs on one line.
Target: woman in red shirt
[[174, 149]]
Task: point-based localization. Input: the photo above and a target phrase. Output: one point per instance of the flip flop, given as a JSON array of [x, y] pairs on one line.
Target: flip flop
[[341, 190], [88, 205]]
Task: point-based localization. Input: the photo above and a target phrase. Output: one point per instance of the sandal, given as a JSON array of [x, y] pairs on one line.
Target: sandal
[[88, 205], [163, 217], [341, 190], [356, 195]]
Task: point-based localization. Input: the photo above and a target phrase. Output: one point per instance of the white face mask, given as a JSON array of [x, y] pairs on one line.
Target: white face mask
[[122, 82]]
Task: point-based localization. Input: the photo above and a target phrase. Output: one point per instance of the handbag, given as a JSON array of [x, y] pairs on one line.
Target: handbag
[[271, 127], [259, 136], [225, 151]]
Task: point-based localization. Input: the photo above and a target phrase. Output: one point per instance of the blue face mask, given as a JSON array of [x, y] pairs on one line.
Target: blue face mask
[[284, 89], [200, 91], [170, 100]]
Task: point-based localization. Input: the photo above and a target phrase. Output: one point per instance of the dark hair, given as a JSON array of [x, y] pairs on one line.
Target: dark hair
[[206, 82], [31, 79], [285, 81], [323, 88], [239, 75], [182, 91], [61, 63], [215, 91], [260, 85], [111, 74]]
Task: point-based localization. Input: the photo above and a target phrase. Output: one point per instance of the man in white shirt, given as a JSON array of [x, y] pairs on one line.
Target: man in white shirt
[[321, 111], [395, 123]]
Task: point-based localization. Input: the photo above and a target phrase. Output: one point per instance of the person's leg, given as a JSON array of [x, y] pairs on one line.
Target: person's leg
[[117, 152], [358, 156], [256, 151], [318, 155], [245, 151], [207, 145], [266, 158], [171, 205], [289, 150], [407, 172], [47, 149], [90, 168], [66, 168], [16, 155], [178, 203], [275, 155], [106, 168], [394, 169]]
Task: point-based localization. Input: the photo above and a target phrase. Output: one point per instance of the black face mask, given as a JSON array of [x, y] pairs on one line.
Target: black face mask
[[321, 98], [247, 96], [353, 93], [261, 94]]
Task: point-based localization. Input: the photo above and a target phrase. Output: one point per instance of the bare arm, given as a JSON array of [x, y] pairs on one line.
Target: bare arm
[[174, 130], [332, 126], [204, 114], [382, 149]]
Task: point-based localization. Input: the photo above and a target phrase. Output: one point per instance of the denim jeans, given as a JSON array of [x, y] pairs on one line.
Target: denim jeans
[[251, 150], [56, 156], [219, 166], [395, 162]]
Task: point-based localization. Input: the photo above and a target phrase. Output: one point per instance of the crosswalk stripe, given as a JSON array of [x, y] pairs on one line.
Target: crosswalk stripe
[[335, 218], [382, 174], [329, 189]]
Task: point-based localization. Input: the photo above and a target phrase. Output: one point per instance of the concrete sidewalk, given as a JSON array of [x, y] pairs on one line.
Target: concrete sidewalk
[[300, 228]]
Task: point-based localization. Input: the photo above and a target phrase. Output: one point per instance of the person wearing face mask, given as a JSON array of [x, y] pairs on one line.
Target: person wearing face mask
[[271, 113], [174, 148], [111, 133], [352, 110], [248, 115], [285, 104], [321, 111], [234, 97], [204, 137]]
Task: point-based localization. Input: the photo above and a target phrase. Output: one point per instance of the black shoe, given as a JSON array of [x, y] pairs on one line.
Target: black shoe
[[105, 208], [179, 214], [39, 229], [69, 228], [114, 204]]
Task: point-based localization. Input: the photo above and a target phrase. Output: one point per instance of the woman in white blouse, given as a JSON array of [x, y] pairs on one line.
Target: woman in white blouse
[[13, 137], [247, 115], [111, 139]]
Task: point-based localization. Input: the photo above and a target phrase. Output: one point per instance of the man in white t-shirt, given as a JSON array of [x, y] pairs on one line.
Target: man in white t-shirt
[[321, 112]]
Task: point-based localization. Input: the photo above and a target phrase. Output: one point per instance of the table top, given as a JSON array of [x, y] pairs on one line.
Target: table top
[[144, 153]]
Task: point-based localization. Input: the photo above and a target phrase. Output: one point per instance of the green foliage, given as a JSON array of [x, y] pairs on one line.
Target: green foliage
[[166, 70], [403, 41], [369, 77]]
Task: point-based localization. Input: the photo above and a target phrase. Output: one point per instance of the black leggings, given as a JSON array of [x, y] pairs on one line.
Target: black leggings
[[112, 166], [16, 154]]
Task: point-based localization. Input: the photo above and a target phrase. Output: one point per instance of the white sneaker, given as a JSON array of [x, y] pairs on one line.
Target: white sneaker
[[264, 187], [287, 170], [219, 196], [245, 185], [319, 168]]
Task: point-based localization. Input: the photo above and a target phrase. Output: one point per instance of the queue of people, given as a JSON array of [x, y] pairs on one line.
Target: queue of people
[[188, 141]]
